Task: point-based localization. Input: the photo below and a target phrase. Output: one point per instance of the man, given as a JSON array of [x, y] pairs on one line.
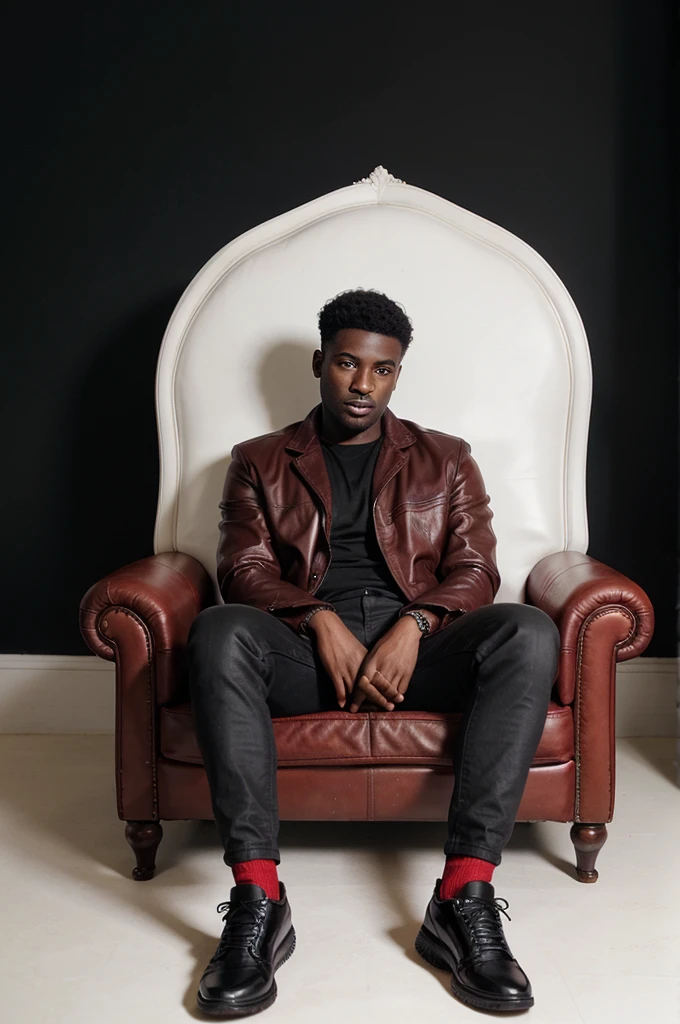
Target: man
[[357, 564]]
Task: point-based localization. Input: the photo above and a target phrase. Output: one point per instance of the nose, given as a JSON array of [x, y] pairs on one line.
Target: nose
[[363, 387]]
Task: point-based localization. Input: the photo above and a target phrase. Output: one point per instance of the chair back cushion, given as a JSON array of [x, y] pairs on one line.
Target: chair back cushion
[[499, 357]]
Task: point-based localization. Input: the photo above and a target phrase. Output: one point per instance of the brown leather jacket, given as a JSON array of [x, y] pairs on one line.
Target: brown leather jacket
[[430, 508]]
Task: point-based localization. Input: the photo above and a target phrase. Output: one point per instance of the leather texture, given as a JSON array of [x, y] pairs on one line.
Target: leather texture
[[429, 505], [378, 737], [366, 793], [258, 936], [141, 614], [465, 935], [577, 591], [603, 617]]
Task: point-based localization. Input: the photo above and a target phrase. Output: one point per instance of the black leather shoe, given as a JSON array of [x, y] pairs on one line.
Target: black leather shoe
[[257, 938], [464, 935]]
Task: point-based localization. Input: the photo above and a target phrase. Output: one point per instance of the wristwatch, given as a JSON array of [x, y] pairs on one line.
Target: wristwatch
[[422, 620]]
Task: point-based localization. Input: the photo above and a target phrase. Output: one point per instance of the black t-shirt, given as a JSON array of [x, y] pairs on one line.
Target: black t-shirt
[[356, 559]]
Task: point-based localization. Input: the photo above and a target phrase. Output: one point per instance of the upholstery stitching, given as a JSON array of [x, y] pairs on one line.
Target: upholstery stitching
[[119, 705], [616, 609]]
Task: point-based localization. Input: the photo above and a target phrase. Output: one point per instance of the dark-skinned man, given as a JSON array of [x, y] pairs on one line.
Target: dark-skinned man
[[357, 565]]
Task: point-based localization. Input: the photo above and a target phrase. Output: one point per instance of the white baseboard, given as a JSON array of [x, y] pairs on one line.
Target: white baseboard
[[72, 694], [647, 692], [55, 693]]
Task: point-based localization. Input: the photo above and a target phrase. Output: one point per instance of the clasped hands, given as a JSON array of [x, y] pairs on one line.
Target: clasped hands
[[382, 675]]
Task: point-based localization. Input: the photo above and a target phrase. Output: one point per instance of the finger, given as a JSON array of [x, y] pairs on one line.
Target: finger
[[386, 686], [357, 701], [403, 684], [348, 687], [359, 696], [376, 678], [340, 692], [369, 690]]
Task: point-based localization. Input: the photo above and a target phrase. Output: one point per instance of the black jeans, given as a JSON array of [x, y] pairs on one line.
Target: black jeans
[[496, 664]]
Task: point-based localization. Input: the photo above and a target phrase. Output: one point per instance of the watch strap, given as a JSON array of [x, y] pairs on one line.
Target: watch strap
[[422, 620]]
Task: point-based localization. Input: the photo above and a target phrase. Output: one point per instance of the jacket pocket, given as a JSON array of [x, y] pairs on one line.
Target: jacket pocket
[[422, 505]]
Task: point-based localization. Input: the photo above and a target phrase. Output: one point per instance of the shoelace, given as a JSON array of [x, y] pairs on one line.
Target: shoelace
[[485, 927], [239, 932]]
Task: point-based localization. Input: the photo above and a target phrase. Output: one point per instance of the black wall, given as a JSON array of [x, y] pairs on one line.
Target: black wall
[[145, 137]]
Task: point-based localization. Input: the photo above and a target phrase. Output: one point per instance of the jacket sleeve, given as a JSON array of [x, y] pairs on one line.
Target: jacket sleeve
[[468, 569], [248, 571]]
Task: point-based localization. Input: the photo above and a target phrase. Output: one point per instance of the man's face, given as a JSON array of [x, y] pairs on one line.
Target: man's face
[[358, 366]]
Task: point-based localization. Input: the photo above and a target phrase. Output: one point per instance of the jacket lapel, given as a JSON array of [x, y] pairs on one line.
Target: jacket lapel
[[312, 466]]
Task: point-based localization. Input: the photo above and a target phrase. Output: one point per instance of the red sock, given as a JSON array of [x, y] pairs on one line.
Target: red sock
[[458, 871], [258, 872]]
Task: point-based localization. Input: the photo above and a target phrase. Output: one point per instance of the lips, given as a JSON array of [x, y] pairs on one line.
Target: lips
[[360, 409]]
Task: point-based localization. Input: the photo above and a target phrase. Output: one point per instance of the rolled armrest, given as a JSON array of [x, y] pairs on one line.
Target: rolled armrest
[[575, 590], [155, 600]]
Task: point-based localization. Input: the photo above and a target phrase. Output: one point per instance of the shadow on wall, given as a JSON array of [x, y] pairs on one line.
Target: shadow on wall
[[288, 387], [286, 390], [112, 472]]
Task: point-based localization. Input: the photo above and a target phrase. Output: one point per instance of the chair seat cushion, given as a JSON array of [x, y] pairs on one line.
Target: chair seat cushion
[[364, 738]]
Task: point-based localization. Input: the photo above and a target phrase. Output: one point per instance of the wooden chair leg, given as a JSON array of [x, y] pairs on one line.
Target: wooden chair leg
[[588, 840], [144, 837]]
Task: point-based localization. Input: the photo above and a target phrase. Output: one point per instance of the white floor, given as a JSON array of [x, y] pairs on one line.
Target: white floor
[[82, 942]]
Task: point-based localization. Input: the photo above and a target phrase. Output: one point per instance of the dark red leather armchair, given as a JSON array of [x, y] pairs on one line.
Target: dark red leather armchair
[[372, 766], [514, 379]]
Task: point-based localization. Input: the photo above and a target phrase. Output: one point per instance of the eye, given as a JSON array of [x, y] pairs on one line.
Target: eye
[[348, 362]]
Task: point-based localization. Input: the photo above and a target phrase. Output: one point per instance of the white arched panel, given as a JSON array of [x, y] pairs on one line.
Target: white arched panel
[[499, 357]]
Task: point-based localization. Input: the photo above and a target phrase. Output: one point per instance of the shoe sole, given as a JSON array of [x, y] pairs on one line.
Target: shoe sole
[[224, 1008], [437, 955]]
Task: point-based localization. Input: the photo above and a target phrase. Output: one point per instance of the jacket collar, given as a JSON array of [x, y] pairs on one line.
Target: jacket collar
[[312, 465], [309, 431]]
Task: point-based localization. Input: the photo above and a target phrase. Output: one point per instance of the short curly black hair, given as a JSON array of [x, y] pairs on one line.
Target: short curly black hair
[[368, 310]]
